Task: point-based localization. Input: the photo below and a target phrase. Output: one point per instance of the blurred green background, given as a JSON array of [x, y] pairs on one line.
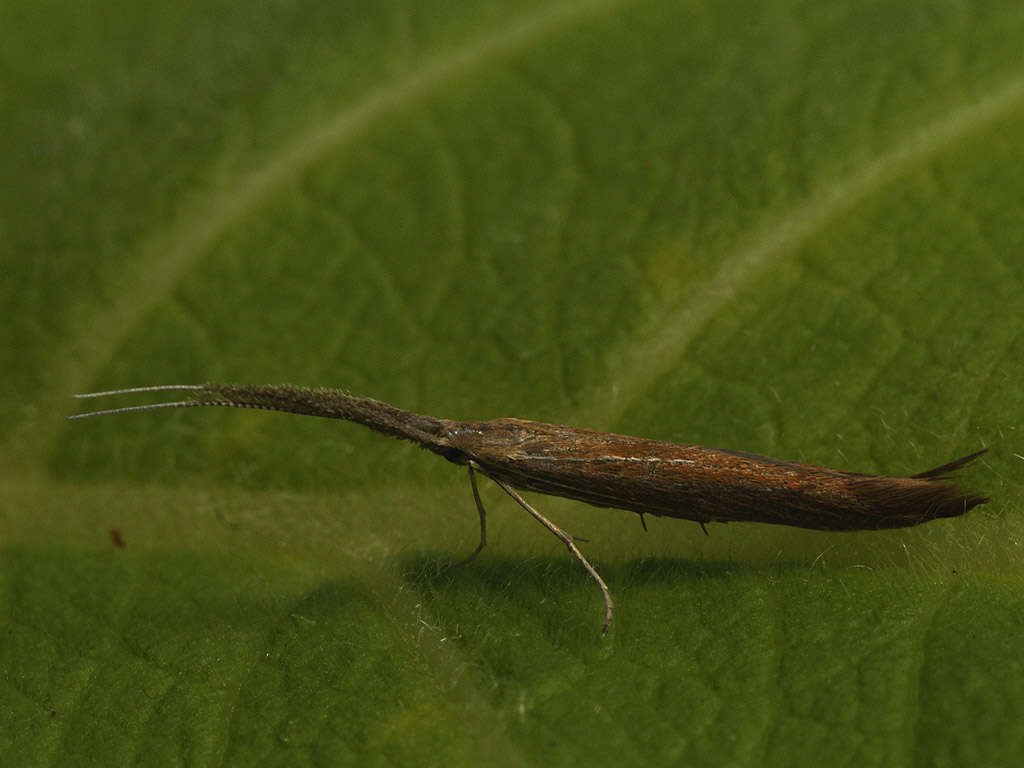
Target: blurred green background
[[789, 228]]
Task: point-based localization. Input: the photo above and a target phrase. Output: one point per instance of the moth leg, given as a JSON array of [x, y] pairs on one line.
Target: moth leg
[[483, 520], [566, 539]]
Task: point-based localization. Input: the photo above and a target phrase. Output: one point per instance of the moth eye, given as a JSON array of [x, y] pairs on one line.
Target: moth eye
[[455, 456]]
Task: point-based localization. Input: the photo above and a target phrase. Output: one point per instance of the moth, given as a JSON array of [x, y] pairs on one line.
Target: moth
[[691, 482]]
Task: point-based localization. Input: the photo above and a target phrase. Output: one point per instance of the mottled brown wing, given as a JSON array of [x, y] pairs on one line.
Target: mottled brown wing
[[702, 484]]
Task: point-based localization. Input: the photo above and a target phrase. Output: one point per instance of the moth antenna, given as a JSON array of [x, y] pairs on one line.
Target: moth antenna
[[134, 390], [325, 403], [151, 406]]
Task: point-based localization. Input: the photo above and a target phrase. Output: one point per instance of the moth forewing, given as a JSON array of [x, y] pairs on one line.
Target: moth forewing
[[703, 484]]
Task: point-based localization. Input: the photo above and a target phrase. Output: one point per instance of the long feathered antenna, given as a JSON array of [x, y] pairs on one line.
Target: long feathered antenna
[[326, 403], [149, 407]]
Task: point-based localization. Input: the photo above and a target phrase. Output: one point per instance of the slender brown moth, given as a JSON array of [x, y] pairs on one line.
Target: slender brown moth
[[691, 482]]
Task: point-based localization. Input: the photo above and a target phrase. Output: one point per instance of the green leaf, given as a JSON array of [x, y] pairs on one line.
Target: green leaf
[[786, 228]]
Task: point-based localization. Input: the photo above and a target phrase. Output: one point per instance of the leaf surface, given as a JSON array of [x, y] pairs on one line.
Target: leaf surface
[[788, 229]]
